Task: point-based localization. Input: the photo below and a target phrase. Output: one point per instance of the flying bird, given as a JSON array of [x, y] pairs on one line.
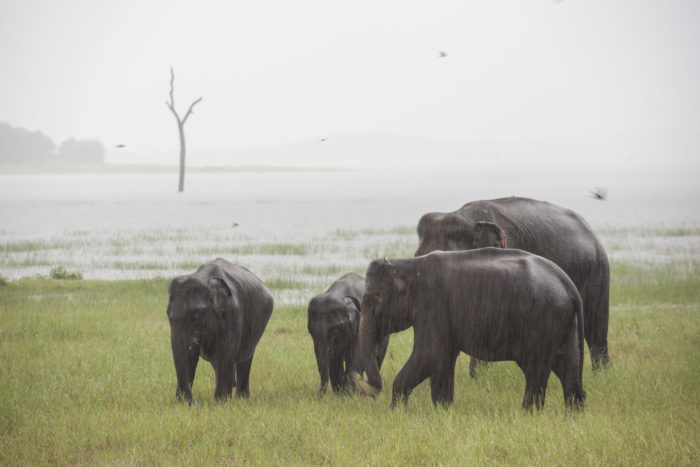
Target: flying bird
[[322, 139], [120, 145], [601, 194], [442, 54]]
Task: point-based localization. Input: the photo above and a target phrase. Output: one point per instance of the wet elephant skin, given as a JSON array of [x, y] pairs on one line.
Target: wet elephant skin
[[333, 322], [492, 303], [542, 228], [217, 313]]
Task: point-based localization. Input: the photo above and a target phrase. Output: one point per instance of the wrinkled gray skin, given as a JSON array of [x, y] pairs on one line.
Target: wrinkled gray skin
[[218, 313], [495, 304], [544, 229], [333, 322]]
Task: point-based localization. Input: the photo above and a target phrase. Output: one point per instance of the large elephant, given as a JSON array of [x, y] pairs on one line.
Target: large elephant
[[333, 322], [544, 229], [219, 313], [495, 304]]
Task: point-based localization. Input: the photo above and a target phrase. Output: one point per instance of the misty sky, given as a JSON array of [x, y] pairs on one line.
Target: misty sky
[[277, 72]]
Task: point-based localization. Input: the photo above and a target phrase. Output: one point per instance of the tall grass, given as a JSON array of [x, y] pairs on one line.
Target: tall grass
[[87, 378]]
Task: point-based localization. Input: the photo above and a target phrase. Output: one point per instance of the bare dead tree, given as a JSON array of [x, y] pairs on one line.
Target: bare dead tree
[[180, 127]]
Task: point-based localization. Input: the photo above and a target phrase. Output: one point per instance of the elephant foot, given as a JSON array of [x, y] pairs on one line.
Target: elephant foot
[[600, 360]]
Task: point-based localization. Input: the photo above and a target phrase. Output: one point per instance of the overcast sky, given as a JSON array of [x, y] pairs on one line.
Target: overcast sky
[[277, 72]]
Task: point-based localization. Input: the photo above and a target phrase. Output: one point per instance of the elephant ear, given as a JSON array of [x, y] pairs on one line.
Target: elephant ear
[[353, 305], [489, 234], [222, 293], [172, 287]]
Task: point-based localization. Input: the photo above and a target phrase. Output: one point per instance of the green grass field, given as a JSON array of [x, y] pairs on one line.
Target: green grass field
[[87, 378]]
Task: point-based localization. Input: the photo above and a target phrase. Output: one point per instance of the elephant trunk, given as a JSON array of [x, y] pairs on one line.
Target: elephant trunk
[[182, 357], [321, 352], [368, 355]]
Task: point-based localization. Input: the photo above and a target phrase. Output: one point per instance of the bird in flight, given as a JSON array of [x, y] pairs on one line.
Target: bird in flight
[[322, 139], [120, 145], [442, 54], [601, 194]]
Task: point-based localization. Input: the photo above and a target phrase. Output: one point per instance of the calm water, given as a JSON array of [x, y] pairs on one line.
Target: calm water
[[297, 207], [39, 204]]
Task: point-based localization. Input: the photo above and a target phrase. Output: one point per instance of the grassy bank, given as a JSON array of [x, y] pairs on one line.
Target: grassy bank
[[87, 377]]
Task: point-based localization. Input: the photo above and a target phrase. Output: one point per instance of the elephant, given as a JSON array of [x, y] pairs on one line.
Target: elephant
[[495, 304], [539, 227], [218, 313], [333, 322]]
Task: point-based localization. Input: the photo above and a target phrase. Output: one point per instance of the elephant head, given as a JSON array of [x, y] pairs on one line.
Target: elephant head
[[333, 324], [198, 312], [386, 308], [451, 231]]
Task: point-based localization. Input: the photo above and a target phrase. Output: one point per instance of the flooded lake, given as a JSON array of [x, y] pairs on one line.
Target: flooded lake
[[110, 226]]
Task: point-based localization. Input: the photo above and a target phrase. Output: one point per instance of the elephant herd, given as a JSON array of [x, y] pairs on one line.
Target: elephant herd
[[506, 279]]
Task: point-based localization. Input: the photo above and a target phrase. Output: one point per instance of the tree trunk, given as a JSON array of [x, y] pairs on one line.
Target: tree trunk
[[180, 127], [181, 186]]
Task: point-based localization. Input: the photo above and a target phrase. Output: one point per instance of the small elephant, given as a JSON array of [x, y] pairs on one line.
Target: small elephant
[[219, 313], [333, 321], [539, 227], [495, 304]]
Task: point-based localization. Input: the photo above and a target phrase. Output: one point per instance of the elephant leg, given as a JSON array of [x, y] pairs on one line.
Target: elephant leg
[[567, 367], [243, 378], [336, 372], [599, 351], [414, 372], [536, 378], [442, 382], [225, 376]]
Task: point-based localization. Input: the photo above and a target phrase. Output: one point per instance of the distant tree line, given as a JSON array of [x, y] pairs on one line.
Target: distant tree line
[[18, 145]]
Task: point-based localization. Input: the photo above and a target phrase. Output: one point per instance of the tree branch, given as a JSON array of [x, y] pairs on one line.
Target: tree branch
[[172, 87], [189, 111], [171, 104]]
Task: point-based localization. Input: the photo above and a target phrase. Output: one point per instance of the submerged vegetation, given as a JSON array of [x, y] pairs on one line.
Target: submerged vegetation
[[61, 273], [88, 376], [158, 252]]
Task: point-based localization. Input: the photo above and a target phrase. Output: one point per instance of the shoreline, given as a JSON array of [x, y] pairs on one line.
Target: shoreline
[[41, 169]]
